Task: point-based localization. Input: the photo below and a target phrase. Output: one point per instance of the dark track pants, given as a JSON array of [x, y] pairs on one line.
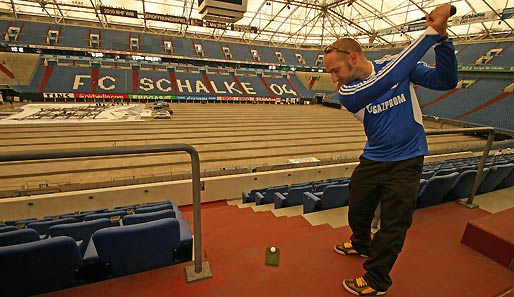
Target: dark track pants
[[396, 186]]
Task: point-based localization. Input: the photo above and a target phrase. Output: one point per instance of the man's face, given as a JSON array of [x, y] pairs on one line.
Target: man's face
[[338, 66]]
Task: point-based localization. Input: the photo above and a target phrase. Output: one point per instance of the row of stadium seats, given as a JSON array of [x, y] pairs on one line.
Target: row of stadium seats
[[439, 184], [74, 253]]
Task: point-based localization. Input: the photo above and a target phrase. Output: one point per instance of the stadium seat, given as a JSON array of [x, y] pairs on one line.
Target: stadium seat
[[294, 196], [95, 211], [250, 196], [20, 222], [80, 231], [332, 196], [507, 182], [37, 267], [463, 185], [136, 248], [147, 217], [42, 227], [146, 209], [113, 215], [435, 189], [18, 236], [7, 229], [494, 178], [445, 171], [268, 196]]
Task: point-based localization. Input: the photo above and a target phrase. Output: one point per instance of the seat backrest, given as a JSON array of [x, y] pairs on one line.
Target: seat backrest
[[95, 210], [18, 236], [335, 196], [7, 229], [106, 215], [155, 203], [146, 209], [321, 186], [268, 195], [253, 192], [435, 189], [148, 217], [494, 178], [445, 171], [42, 227], [38, 267], [22, 221], [508, 181], [80, 230], [295, 195], [462, 186], [139, 247]]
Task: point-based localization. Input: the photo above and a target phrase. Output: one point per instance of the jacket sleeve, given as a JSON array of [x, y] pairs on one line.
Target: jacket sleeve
[[357, 96], [444, 75]]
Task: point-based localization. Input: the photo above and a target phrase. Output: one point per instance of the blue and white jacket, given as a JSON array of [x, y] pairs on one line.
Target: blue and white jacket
[[387, 105]]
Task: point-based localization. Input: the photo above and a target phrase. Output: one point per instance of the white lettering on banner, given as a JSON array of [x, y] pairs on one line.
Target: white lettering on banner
[[279, 90], [182, 86], [249, 90], [215, 88], [201, 86], [276, 89], [160, 87], [375, 109], [231, 88], [146, 84], [102, 85], [288, 91], [77, 82]]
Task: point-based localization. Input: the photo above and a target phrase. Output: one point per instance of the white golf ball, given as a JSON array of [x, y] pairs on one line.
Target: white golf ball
[[272, 249]]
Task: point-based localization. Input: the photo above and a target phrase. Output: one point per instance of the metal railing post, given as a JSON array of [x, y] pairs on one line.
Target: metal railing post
[[201, 269]]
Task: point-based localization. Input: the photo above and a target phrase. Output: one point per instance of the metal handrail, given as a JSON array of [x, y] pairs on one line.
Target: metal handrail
[[130, 150], [490, 137]]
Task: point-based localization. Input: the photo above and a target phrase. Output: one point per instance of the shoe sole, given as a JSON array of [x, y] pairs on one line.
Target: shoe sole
[[348, 254], [378, 293]]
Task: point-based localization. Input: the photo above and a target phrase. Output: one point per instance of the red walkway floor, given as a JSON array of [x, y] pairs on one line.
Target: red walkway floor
[[433, 263]]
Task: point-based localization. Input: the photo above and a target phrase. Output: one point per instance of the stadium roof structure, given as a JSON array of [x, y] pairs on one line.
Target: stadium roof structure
[[281, 23]]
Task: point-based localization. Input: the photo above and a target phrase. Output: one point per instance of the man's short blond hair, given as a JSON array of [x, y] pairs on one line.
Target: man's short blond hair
[[347, 44]]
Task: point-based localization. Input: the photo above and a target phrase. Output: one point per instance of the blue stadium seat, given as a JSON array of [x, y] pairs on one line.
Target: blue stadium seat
[[146, 209], [148, 217], [20, 222], [508, 181], [18, 236], [80, 231], [294, 196], [463, 185], [333, 196], [113, 215], [38, 267], [140, 247], [494, 178], [42, 227], [7, 229], [250, 196], [435, 189], [268, 196]]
